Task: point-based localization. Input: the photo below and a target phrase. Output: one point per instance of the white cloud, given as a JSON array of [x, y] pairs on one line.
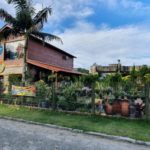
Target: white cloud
[[101, 44], [106, 45], [133, 6], [64, 9]]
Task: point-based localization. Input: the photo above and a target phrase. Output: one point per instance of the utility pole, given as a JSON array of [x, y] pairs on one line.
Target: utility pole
[[119, 66]]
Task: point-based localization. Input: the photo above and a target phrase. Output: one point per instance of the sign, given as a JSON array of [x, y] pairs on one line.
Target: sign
[[24, 91]]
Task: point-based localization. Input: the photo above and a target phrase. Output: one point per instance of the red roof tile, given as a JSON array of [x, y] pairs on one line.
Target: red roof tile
[[51, 67]]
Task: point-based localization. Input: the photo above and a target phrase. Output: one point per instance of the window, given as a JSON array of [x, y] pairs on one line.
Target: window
[[65, 57]]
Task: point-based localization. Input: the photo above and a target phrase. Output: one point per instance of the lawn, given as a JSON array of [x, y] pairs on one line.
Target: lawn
[[137, 129]]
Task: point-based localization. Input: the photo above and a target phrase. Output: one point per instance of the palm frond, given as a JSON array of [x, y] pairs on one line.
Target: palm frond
[[42, 16], [22, 5], [18, 3], [4, 15], [47, 36], [32, 29]]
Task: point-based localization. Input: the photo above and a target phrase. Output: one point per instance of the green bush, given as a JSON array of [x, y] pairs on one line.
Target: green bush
[[14, 79], [42, 90], [68, 98], [1, 88]]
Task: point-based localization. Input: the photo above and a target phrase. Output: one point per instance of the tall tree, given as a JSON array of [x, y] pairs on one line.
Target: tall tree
[[26, 22]]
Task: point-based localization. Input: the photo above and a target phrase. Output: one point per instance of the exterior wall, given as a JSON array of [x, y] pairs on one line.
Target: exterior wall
[[1, 52], [15, 46], [49, 55], [15, 66]]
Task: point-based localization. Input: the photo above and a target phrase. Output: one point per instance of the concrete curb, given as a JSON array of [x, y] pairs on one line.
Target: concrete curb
[[102, 135]]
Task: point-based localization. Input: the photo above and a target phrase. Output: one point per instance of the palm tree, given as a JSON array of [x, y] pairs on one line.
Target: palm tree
[[27, 23]]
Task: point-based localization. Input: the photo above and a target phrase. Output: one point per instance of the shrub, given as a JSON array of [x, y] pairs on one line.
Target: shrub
[[67, 100], [1, 88], [14, 79], [42, 90]]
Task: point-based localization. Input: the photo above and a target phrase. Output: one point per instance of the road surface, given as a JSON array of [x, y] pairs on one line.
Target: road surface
[[21, 136]]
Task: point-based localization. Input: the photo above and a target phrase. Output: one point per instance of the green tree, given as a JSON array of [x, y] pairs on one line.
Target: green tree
[[90, 81], [83, 70], [134, 78], [115, 82], [147, 95], [142, 72], [26, 22]]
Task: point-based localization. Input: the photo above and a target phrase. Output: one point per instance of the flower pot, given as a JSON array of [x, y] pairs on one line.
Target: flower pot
[[116, 107], [108, 109], [124, 108]]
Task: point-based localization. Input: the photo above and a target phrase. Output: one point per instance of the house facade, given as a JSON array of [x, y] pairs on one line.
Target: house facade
[[113, 68], [40, 57]]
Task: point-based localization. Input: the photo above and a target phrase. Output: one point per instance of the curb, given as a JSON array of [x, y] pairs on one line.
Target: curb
[[102, 135]]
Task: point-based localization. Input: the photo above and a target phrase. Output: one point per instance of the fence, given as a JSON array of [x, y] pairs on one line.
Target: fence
[[119, 107]]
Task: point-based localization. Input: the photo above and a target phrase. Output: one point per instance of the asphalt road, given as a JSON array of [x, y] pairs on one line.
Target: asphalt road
[[22, 136]]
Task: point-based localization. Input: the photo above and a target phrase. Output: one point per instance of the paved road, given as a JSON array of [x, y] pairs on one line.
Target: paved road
[[21, 136]]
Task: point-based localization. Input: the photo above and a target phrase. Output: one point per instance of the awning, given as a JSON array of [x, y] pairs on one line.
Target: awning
[[51, 67]]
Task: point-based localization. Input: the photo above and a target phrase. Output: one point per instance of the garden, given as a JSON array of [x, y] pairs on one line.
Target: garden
[[111, 94]]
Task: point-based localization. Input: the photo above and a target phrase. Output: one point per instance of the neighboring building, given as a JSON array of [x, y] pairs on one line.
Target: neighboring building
[[112, 68], [40, 58]]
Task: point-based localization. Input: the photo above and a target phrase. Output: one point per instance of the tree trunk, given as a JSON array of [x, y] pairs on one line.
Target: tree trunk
[[93, 98], [24, 63], [147, 103]]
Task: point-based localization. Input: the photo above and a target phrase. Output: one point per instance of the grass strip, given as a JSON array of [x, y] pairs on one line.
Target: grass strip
[[136, 129]]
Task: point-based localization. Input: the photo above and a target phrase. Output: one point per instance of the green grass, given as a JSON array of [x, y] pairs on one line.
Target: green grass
[[137, 129]]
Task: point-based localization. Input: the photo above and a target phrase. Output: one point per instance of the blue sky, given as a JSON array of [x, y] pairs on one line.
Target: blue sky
[[99, 31]]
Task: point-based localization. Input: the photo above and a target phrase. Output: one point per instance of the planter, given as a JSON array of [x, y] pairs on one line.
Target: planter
[[108, 109], [124, 108], [116, 107]]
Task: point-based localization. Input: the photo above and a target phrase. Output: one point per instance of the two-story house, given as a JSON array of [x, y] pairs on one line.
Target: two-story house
[[41, 58]]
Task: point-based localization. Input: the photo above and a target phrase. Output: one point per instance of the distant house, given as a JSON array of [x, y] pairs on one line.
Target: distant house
[[112, 68], [42, 59]]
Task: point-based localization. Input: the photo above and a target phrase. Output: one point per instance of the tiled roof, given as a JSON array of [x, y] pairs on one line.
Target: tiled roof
[[51, 67]]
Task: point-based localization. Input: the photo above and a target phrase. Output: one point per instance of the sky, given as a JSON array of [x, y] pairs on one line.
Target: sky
[[99, 31]]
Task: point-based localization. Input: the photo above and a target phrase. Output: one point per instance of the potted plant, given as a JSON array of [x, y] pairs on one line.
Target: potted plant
[[108, 107], [124, 107]]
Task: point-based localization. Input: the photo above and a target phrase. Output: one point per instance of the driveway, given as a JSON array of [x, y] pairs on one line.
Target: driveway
[[22, 136]]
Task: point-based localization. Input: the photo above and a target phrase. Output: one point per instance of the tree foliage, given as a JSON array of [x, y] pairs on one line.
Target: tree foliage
[[26, 20]]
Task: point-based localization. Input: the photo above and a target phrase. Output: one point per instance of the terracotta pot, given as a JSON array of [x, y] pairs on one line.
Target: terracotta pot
[[124, 107], [108, 109], [116, 107]]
